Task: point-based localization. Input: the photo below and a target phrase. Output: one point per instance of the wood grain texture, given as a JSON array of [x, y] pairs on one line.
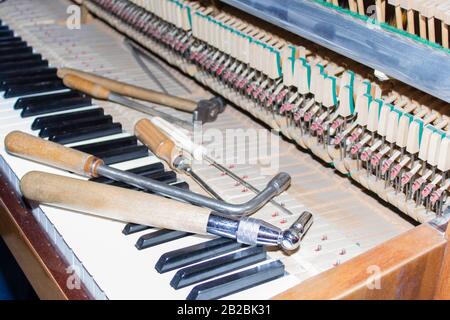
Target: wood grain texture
[[86, 16], [443, 288], [41, 262], [157, 141], [406, 266], [132, 91], [36, 149], [445, 33], [113, 202], [89, 87]]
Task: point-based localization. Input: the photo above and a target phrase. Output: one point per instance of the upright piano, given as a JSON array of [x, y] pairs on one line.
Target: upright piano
[[354, 95]]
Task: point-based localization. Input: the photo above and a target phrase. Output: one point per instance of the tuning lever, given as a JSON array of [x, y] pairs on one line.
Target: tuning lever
[[142, 208], [29, 147], [204, 110]]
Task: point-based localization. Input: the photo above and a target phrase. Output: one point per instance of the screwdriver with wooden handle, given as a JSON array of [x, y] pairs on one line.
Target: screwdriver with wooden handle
[[146, 209], [98, 91], [204, 110], [50, 153], [166, 149]]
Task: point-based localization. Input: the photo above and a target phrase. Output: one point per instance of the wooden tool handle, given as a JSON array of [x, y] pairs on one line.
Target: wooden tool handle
[[133, 91], [93, 89], [114, 202], [156, 140], [33, 148]]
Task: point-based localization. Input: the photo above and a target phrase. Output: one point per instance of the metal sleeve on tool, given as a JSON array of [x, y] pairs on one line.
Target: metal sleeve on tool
[[248, 231]]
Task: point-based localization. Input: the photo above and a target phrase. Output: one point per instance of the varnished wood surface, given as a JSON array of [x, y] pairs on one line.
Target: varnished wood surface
[[114, 203], [156, 140], [405, 267], [123, 89], [33, 148], [89, 87], [443, 289], [39, 259]]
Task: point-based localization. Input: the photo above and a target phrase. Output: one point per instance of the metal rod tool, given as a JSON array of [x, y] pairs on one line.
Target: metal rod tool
[[164, 148], [138, 207], [100, 92], [33, 148], [199, 152], [137, 51], [204, 110]]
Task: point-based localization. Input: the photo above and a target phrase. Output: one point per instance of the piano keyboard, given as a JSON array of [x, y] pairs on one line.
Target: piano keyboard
[[123, 261]]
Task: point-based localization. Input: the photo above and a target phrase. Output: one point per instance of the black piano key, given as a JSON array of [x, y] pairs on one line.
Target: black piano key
[[159, 237], [22, 65], [10, 39], [42, 122], [148, 170], [219, 266], [104, 146], [55, 106], [182, 185], [131, 228], [123, 154], [47, 99], [237, 282], [6, 47], [185, 256], [39, 87], [9, 50], [6, 33], [166, 177], [88, 133], [13, 43], [24, 73], [21, 57], [4, 27], [4, 85], [56, 129]]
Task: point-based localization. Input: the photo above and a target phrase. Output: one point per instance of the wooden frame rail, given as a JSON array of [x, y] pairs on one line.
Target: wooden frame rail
[[413, 265], [39, 259]]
